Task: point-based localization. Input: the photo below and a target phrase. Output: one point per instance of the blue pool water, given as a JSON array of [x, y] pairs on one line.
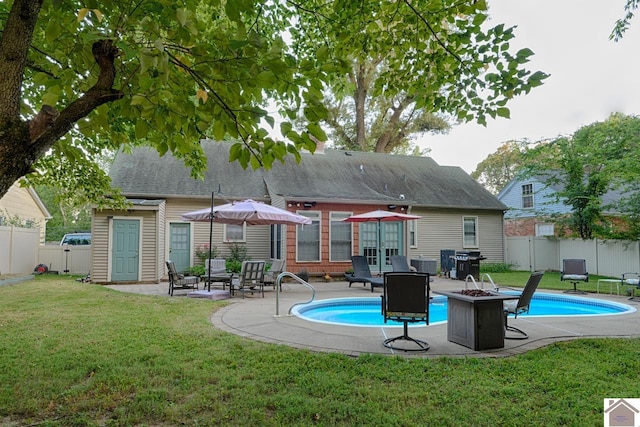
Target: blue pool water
[[367, 311]]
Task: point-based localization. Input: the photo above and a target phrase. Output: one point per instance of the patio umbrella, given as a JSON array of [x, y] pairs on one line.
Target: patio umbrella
[[379, 216], [241, 212]]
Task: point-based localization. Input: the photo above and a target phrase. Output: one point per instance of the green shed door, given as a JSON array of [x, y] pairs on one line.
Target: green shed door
[[125, 252], [180, 245]]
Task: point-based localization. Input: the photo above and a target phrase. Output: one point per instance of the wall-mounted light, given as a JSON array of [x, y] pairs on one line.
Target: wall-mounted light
[[308, 205], [391, 207], [290, 204]]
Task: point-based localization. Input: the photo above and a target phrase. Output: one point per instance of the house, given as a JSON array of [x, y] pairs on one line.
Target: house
[[533, 206], [620, 413], [328, 186], [22, 206]]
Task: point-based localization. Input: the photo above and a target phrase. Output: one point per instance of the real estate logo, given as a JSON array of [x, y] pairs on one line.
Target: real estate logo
[[622, 412]]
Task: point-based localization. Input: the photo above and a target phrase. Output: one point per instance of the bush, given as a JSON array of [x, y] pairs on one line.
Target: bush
[[202, 252], [196, 270], [496, 267], [233, 266]]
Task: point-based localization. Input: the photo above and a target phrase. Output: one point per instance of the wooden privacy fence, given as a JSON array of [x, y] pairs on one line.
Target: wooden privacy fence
[[21, 252], [604, 257]]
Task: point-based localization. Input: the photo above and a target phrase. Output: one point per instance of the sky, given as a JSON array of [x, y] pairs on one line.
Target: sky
[[590, 76]]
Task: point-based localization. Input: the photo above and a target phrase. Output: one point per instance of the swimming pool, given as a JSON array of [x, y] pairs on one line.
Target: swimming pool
[[367, 311]]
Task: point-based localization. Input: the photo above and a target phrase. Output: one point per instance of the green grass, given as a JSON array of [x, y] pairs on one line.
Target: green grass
[[75, 354], [550, 280]]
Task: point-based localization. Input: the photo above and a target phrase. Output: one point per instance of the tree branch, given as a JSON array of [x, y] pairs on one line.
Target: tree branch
[[104, 53]]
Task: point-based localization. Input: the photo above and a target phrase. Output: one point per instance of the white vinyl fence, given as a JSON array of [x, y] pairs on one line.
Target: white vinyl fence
[[604, 257], [21, 252]]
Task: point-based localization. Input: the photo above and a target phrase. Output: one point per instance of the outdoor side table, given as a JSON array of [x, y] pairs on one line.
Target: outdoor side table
[[223, 278], [476, 322], [610, 282]]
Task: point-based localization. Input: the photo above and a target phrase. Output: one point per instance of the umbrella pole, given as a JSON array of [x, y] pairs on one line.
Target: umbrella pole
[[210, 244]]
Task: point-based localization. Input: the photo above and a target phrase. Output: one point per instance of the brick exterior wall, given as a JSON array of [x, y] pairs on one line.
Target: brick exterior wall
[[520, 227], [324, 265]]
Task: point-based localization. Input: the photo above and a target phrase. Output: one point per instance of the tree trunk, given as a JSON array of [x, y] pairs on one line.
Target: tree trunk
[[360, 98], [22, 143]]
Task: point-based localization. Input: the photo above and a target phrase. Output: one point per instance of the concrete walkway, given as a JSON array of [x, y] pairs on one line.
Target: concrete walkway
[[255, 318]]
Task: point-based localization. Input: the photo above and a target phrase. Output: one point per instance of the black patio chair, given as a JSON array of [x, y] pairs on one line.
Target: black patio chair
[[631, 279], [521, 305], [362, 273], [405, 298], [180, 281], [574, 271]]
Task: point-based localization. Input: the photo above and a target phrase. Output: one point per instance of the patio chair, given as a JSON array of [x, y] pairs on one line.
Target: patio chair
[[180, 281], [632, 279], [521, 305], [399, 263], [251, 277], [215, 266], [362, 273], [277, 267], [574, 271], [405, 298]]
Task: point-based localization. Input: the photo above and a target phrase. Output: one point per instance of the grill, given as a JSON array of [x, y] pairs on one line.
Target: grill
[[468, 263]]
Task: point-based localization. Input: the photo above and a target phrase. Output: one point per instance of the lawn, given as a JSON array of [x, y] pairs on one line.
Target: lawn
[[81, 354]]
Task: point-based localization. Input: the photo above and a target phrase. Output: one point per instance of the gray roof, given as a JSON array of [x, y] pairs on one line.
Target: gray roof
[[334, 175]]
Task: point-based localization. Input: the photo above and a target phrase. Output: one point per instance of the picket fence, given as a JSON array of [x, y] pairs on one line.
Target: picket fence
[[604, 257], [21, 252]]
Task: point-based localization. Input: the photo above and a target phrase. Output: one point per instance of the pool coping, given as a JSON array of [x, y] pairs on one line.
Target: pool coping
[[255, 318]]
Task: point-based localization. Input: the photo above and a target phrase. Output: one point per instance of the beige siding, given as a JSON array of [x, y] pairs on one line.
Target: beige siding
[[257, 237], [442, 229], [100, 245], [162, 236], [20, 202], [149, 269]]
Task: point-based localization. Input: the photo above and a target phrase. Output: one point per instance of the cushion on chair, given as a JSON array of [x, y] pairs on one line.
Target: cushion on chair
[[574, 277]]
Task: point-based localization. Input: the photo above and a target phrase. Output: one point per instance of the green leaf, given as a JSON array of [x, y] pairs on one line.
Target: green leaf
[[503, 112], [219, 130], [181, 15]]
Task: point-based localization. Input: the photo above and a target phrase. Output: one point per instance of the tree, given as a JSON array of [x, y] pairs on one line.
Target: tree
[[359, 121], [166, 75], [622, 24], [500, 167], [443, 65], [597, 158]]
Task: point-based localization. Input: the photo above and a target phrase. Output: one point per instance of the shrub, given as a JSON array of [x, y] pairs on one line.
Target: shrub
[[202, 252], [196, 270], [496, 267]]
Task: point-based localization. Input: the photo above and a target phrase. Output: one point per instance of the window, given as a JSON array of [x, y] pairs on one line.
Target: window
[[544, 229], [413, 237], [470, 232], [308, 238], [276, 241], [235, 233], [340, 233], [527, 196]]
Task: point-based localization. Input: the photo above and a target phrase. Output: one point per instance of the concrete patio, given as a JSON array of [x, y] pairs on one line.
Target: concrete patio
[[255, 318]]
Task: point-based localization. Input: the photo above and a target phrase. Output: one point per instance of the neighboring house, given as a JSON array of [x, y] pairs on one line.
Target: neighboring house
[[132, 245], [533, 204], [22, 206]]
